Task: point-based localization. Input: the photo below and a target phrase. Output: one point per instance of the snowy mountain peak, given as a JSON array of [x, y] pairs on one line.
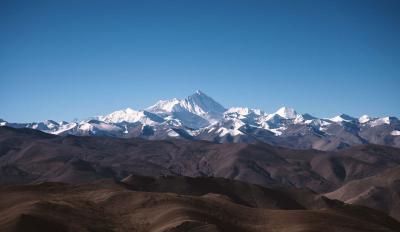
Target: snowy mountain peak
[[127, 115], [131, 115], [243, 111], [164, 106], [382, 121], [204, 106], [286, 112], [61, 123], [364, 119], [203, 103], [342, 118], [239, 110], [49, 121], [199, 92], [195, 106], [130, 110]]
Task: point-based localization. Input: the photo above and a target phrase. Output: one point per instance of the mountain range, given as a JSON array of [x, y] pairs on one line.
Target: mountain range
[[199, 117]]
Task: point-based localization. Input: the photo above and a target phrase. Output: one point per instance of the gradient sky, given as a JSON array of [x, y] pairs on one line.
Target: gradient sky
[[72, 59]]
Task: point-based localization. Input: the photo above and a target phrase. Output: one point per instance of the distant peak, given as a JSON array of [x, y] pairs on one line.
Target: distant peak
[[199, 92], [308, 116], [61, 123], [130, 110], [364, 119], [165, 105], [244, 111], [342, 117], [286, 112], [49, 121], [345, 116]]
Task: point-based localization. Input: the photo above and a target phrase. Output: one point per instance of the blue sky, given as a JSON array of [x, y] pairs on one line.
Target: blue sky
[[72, 59]]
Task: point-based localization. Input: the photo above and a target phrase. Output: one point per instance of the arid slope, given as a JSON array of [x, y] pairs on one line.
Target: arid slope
[[112, 206]]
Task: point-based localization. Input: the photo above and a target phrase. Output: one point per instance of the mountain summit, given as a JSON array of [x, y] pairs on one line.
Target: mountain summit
[[196, 111], [286, 112], [201, 104]]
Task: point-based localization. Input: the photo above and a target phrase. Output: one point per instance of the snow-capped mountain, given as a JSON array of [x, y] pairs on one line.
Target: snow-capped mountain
[[196, 111], [129, 115], [199, 117], [342, 118], [286, 112], [364, 119]]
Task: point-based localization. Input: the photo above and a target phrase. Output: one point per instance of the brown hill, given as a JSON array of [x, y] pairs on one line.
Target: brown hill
[[381, 192], [110, 206], [29, 156]]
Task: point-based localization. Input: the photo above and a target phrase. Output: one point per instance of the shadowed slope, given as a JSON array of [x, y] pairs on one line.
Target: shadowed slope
[[381, 192], [27, 159], [36, 157], [109, 206]]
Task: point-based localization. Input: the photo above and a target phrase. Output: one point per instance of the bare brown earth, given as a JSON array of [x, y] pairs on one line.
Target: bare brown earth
[[113, 206], [365, 175], [29, 156], [381, 192]]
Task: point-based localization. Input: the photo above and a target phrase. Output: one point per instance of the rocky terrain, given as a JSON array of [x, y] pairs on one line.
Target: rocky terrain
[[178, 204]]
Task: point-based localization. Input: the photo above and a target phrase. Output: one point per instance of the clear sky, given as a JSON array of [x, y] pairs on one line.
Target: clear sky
[[73, 58]]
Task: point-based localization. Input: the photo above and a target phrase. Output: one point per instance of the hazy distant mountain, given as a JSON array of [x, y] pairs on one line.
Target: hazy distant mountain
[[199, 117]]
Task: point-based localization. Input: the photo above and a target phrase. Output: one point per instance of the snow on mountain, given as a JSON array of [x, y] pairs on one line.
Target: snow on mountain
[[304, 118], [46, 126], [196, 111], [130, 115], [94, 127], [198, 104], [238, 110], [274, 123], [224, 131], [395, 133], [342, 118], [91, 127], [243, 112], [172, 133], [286, 112], [66, 128], [62, 123], [364, 119], [280, 115], [380, 121], [165, 106], [51, 124], [245, 115], [229, 126], [204, 106]]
